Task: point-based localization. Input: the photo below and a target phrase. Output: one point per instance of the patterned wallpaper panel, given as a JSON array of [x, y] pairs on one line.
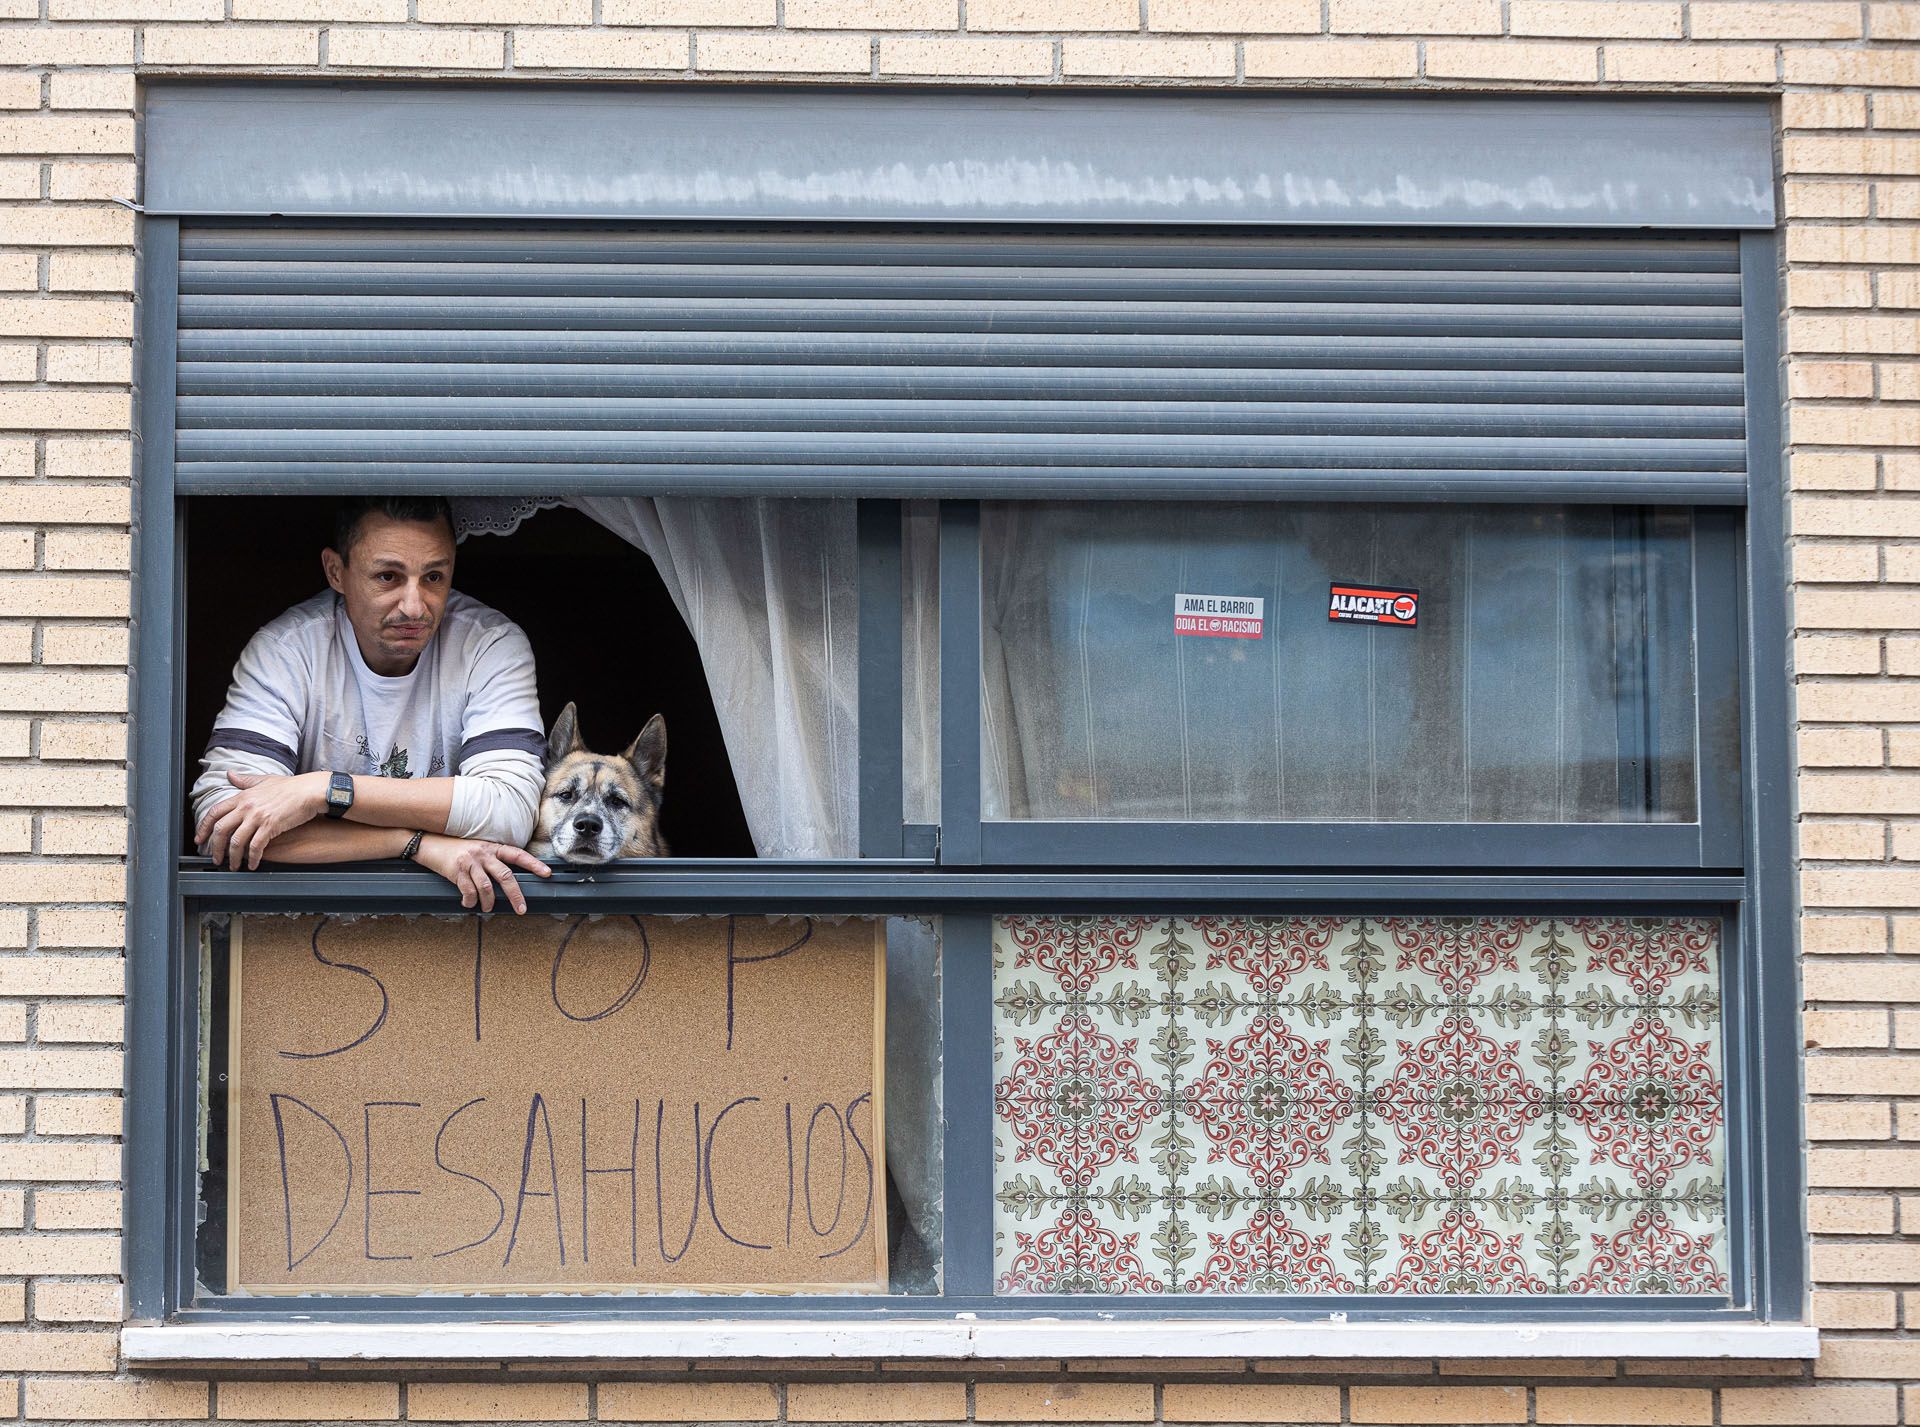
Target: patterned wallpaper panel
[[1407, 1105]]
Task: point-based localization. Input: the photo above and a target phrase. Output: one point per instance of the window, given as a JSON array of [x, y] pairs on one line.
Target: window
[[1282, 961]]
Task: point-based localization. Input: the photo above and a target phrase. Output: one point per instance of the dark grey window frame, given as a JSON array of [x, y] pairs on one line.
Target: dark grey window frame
[[1736, 863]]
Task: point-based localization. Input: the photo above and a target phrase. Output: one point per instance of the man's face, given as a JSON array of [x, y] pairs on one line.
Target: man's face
[[394, 581]]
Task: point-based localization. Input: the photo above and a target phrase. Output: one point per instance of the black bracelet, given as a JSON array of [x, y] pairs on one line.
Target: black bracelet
[[413, 846]]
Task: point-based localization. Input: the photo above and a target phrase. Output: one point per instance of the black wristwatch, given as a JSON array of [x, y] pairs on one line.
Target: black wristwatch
[[339, 794]]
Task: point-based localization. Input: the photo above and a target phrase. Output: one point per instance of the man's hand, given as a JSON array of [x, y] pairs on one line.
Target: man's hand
[[239, 829], [474, 867]]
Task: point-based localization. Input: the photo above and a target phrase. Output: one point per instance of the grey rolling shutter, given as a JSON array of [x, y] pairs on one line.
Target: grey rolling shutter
[[967, 362]]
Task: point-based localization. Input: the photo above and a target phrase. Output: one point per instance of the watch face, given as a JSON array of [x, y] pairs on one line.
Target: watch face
[[340, 797]]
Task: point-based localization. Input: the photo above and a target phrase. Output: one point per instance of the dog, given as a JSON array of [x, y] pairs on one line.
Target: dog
[[596, 806]]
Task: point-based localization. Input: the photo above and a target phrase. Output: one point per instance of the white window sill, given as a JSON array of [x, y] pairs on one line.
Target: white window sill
[[956, 1340]]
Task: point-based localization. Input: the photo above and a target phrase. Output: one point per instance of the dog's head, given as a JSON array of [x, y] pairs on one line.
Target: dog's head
[[599, 806]]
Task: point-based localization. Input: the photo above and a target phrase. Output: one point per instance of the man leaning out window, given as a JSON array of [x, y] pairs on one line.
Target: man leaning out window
[[385, 717]]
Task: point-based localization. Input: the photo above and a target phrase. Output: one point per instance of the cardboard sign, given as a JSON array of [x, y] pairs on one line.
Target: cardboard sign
[[556, 1103], [1374, 604], [1220, 616]]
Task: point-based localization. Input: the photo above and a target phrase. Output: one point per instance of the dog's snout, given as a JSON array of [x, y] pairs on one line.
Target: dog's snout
[[587, 825]]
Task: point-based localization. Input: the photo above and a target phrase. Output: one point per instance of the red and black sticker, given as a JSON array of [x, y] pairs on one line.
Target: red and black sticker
[[1373, 604]]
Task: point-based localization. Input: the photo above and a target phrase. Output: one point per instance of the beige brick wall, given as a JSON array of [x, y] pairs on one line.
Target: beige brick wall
[[1848, 74]]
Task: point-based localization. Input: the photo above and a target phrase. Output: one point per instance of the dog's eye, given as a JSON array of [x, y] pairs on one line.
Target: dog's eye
[[614, 800], [565, 795]]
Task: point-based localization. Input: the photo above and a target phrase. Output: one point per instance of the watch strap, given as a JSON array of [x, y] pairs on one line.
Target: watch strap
[[413, 846], [339, 794]]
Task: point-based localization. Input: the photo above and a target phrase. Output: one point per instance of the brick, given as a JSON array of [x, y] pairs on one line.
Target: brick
[[15, 737], [152, 1399], [136, 10], [688, 1402], [99, 179], [1868, 1358], [66, 1162], [1849, 1120], [1053, 15], [1861, 886], [41, 597], [90, 272], [88, 550], [76, 1209], [1438, 1404], [81, 90], [348, 12], [1063, 1401], [68, 740], [16, 833], [1745, 1406], [64, 133], [1862, 981], [76, 1114], [1808, 199], [1854, 1310], [1243, 1402], [178, 46], [1824, 153], [504, 12], [33, 787], [1841, 841], [72, 928], [308, 1401], [1331, 59], [59, 1069], [1705, 64], [1857, 425], [1818, 381], [1831, 470], [68, 225], [1893, 68], [1893, 20], [74, 1303], [1596, 19], [1896, 200], [350, 47], [92, 362], [872, 14], [1506, 60], [1826, 563], [88, 457], [1879, 517], [1845, 1029], [65, 317], [877, 1402], [61, 45], [496, 1402], [966, 57], [704, 13], [1849, 1214], [783, 54], [1860, 793], [1234, 17], [19, 91], [70, 1022], [66, 410], [42, 1351], [1653, 1406], [1412, 17], [1801, 110], [84, 644], [1147, 58], [598, 49], [1824, 20], [16, 645], [1862, 1263]]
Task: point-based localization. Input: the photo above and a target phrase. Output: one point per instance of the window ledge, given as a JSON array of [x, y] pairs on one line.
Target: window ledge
[[958, 1340]]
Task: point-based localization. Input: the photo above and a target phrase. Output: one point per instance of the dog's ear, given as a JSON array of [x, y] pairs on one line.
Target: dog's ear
[[565, 737], [648, 753]]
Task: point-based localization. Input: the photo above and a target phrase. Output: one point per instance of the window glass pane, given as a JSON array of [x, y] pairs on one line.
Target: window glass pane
[[1335, 1105], [1548, 676], [569, 1104]]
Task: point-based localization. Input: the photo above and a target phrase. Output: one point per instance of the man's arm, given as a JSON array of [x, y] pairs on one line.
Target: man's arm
[[474, 867]]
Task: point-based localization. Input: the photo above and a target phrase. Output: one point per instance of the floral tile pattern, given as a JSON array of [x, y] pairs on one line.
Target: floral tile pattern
[[1411, 1105]]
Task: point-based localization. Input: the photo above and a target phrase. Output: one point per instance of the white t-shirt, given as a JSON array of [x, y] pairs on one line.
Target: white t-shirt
[[303, 698]]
